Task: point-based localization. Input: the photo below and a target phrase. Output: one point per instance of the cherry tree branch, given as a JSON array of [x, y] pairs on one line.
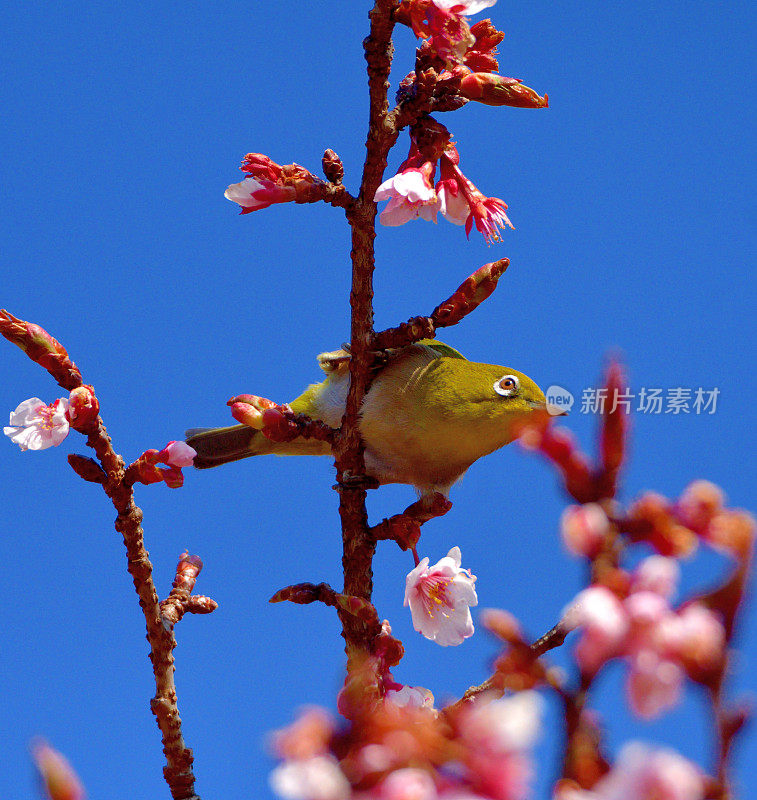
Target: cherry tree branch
[[358, 545], [50, 354]]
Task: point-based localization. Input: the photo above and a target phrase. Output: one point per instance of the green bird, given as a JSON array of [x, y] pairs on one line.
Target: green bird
[[428, 415]]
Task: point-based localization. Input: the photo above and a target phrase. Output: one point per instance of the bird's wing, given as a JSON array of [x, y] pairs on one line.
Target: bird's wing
[[442, 349], [338, 360]]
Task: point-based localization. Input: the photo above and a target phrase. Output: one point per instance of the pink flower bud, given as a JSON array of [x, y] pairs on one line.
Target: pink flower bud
[[177, 454], [407, 784], [247, 415], [584, 528], [279, 426], [698, 504], [701, 639], [654, 684], [38, 345], [732, 531], [640, 772], [657, 574], [604, 623], [58, 777], [496, 90], [83, 406], [252, 194]]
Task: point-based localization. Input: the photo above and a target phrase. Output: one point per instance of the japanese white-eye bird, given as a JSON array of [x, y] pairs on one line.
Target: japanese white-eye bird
[[428, 415]]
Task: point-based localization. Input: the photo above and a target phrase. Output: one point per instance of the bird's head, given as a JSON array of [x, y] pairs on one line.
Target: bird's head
[[488, 398]]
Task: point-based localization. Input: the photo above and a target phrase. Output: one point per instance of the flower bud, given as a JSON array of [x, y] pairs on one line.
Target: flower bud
[[83, 406], [732, 531], [698, 504], [177, 454], [502, 624], [496, 90], [470, 294], [651, 521], [37, 343], [278, 426], [87, 468], [583, 529], [333, 168], [247, 415], [58, 777]]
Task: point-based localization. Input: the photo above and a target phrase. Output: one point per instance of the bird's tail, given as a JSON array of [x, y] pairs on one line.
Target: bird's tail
[[216, 446]]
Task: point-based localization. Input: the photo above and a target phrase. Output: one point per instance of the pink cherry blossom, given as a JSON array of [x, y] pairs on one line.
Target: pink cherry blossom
[[603, 620], [499, 735], [641, 773], [698, 504], [452, 203], [467, 7], [253, 194], [654, 684], [410, 697], [659, 644], [583, 528], [316, 778], [407, 784], [657, 574], [177, 454], [36, 426], [489, 215], [411, 196], [504, 724], [463, 203], [696, 636], [440, 598]]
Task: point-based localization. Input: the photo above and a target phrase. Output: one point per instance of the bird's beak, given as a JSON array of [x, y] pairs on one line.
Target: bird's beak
[[553, 411]]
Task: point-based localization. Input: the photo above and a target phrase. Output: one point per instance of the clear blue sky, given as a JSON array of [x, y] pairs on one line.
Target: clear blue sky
[[123, 124]]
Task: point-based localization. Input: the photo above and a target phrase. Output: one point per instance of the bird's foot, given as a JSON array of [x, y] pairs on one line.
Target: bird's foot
[[350, 481]]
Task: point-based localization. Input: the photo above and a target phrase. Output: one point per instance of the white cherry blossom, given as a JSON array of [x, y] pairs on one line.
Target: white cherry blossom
[[440, 598], [36, 426]]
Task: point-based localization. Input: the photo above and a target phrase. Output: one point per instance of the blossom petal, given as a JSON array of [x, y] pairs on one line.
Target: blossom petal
[[26, 412]]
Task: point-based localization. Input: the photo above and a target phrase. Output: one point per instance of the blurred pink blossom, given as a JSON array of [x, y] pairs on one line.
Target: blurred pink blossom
[[58, 777], [316, 778], [658, 643], [498, 735], [583, 528], [406, 784], [410, 696], [641, 773]]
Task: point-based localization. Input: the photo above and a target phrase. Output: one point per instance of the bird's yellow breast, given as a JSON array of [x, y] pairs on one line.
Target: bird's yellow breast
[[418, 424]]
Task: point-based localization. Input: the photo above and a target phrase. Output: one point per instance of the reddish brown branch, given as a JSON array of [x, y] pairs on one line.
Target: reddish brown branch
[[405, 528], [466, 298], [358, 544], [49, 353], [306, 593], [42, 348], [180, 600]]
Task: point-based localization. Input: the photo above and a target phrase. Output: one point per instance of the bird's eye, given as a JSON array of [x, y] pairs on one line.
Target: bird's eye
[[507, 386]]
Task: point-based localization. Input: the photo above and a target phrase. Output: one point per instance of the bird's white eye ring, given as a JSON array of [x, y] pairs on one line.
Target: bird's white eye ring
[[508, 386]]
